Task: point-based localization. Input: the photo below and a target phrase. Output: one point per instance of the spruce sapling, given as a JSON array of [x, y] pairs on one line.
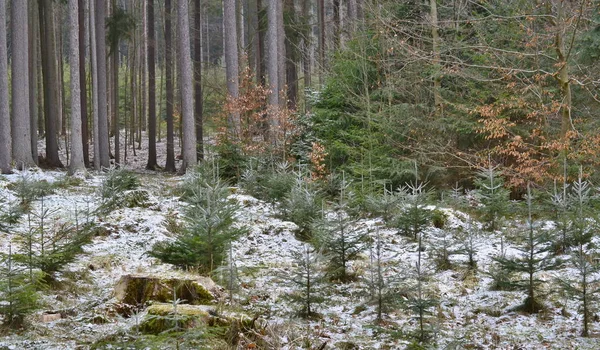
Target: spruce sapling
[[413, 217], [308, 279], [209, 227], [583, 286], [493, 197], [18, 295], [339, 237], [535, 257]]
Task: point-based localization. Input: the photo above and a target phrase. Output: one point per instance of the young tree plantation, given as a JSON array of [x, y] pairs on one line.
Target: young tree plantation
[[299, 174]]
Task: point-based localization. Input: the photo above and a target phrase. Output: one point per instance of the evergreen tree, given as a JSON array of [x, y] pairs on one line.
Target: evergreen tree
[[18, 295], [413, 216], [493, 196], [535, 257], [340, 238], [209, 227], [308, 279], [582, 282]]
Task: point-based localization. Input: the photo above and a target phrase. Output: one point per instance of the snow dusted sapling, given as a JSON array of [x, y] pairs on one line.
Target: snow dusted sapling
[[308, 279], [339, 237], [18, 292], [582, 283], [535, 257], [413, 217], [209, 227], [493, 196], [303, 205]]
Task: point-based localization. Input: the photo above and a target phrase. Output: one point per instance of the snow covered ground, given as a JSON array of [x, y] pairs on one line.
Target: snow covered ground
[[469, 315]]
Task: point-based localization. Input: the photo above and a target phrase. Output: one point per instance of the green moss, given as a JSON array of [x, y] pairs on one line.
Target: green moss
[[138, 290], [163, 318]]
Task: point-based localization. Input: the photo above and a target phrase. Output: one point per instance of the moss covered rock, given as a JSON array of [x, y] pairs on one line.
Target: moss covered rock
[[139, 289]]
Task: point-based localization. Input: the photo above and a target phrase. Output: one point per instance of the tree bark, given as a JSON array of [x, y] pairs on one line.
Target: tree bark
[[292, 42], [306, 44], [321, 15], [187, 94], [21, 128], [77, 163], [437, 82], [95, 102], [82, 84], [170, 165], [5, 140], [33, 72], [49, 72], [273, 64], [231, 62], [198, 79], [102, 116], [152, 164]]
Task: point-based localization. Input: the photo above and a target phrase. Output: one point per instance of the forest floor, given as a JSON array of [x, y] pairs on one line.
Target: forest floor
[[469, 315]]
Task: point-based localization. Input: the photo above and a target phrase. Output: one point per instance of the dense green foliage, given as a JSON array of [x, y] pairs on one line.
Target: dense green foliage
[[209, 226]]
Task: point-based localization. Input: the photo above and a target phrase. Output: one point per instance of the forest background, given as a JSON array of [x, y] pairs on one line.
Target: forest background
[[364, 87]]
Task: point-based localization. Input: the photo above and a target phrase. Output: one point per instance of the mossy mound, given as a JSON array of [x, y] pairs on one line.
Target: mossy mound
[[138, 289], [163, 317]]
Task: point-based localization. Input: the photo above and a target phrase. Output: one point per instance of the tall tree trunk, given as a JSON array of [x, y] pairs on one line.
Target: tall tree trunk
[[306, 20], [258, 41], [115, 103], [5, 141], [60, 83], [321, 13], [562, 76], [21, 128], [437, 82], [187, 94], [49, 71], [170, 165], [151, 165], [95, 102], [281, 54], [82, 84], [197, 80], [292, 43], [102, 116], [76, 140], [33, 72], [231, 62], [273, 66]]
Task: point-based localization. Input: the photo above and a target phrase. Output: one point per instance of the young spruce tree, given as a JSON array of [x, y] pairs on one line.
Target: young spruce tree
[[535, 257], [582, 283]]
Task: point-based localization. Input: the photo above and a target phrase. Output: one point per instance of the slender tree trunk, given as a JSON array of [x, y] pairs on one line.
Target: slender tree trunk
[[82, 85], [5, 140], [21, 128], [231, 62], [292, 42], [306, 20], [115, 103], [152, 165], [76, 140], [281, 55], [95, 104], [33, 72], [437, 82], [198, 79], [170, 165], [49, 71], [102, 116], [321, 13], [336, 25], [144, 62], [57, 30], [187, 94], [273, 66]]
